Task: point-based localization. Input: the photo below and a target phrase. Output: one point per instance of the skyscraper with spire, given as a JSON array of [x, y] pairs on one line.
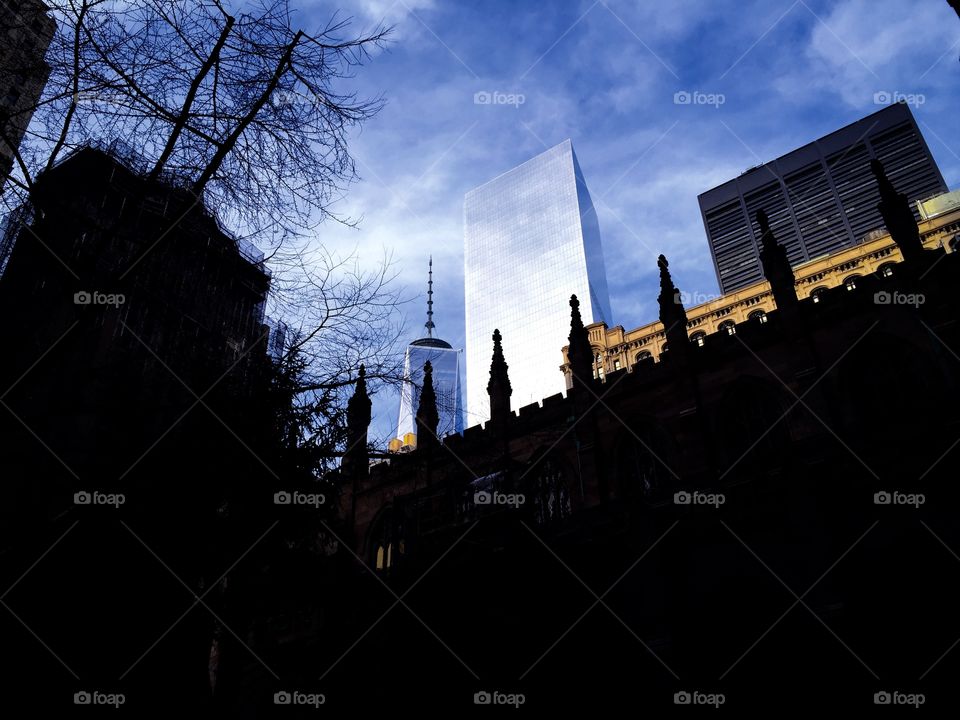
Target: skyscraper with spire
[[445, 363]]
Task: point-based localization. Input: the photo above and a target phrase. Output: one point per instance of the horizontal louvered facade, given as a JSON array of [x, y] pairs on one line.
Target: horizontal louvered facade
[[820, 198]]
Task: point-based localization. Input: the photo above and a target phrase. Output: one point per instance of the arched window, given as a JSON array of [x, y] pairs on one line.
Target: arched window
[[759, 315], [551, 498], [597, 366], [698, 338], [818, 294], [850, 283], [727, 326], [643, 460], [643, 355], [385, 541], [886, 270], [385, 560]]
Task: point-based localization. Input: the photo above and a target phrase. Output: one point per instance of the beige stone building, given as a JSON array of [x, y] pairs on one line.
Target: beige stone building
[[617, 349]]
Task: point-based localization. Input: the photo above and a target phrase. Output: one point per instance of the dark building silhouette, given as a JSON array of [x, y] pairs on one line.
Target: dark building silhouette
[[708, 492], [741, 517], [138, 370], [26, 29], [150, 295], [819, 197]]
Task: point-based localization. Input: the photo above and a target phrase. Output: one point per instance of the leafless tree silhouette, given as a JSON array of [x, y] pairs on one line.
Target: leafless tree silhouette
[[252, 115]]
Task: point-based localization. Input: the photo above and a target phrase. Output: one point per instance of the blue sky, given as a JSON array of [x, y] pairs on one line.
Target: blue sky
[[605, 74]]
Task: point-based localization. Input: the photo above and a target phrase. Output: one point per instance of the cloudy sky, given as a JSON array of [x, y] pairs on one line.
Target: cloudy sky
[[772, 75]]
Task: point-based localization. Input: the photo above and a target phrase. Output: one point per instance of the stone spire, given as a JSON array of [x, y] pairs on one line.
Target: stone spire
[[580, 352], [427, 416], [897, 215], [498, 388], [672, 313], [776, 266], [356, 460]]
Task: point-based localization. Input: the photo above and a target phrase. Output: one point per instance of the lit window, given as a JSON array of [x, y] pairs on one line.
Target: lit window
[[616, 364], [886, 270], [598, 367], [727, 326], [817, 294], [643, 355], [851, 282], [758, 315], [698, 338], [380, 558]]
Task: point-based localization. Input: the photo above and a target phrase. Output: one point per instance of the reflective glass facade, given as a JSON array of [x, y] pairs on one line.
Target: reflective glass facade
[[531, 239], [446, 383], [820, 198]]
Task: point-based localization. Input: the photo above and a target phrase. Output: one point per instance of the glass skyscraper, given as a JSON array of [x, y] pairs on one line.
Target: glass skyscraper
[[445, 361], [531, 239]]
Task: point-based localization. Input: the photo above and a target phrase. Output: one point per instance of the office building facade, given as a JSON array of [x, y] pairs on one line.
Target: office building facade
[[820, 198], [616, 349], [531, 239], [26, 28]]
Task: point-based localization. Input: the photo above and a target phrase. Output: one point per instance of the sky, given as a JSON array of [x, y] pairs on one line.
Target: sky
[[763, 78]]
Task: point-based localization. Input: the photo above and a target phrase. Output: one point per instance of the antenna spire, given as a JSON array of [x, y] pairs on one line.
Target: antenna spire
[[429, 324]]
